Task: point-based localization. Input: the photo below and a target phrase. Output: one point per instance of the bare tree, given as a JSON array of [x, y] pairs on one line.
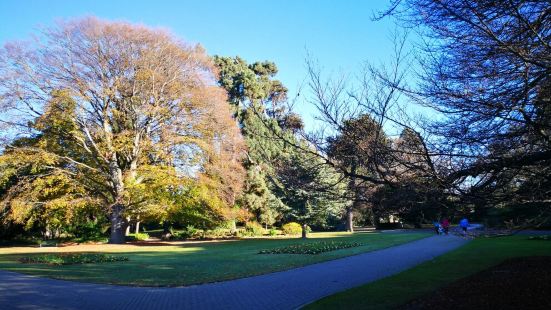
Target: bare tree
[[485, 70]]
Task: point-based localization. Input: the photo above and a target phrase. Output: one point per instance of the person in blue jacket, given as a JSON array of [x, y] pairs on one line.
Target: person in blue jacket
[[464, 223], [436, 227]]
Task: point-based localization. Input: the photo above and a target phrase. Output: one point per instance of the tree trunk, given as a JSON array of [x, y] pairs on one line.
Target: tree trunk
[[233, 228], [304, 231], [350, 218], [349, 211], [118, 224], [166, 231], [127, 230], [137, 227]]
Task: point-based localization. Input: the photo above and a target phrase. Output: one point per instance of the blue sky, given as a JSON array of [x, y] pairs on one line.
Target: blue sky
[[339, 34]]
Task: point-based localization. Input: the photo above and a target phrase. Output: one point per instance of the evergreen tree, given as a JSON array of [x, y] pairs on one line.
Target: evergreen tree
[[282, 182]]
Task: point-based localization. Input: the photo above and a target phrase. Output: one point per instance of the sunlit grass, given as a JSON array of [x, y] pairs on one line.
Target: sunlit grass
[[185, 263]]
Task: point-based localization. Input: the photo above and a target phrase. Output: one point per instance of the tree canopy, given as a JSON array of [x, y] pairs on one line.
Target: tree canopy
[[117, 109]]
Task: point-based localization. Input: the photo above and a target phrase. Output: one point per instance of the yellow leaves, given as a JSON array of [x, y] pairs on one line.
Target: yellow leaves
[[58, 113], [143, 75], [155, 103], [20, 211], [32, 159], [49, 196], [123, 141]]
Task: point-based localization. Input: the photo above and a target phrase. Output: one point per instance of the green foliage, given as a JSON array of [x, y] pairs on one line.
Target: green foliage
[[89, 231], [312, 248], [137, 237], [71, 259], [190, 232], [292, 228], [253, 229], [217, 233], [256, 98], [273, 232], [313, 190], [282, 182]]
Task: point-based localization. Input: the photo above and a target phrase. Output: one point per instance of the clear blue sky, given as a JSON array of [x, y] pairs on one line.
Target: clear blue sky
[[340, 34]]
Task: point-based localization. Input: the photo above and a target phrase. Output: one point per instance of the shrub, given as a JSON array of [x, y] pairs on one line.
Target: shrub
[[312, 248], [137, 237], [48, 243], [189, 233], [217, 233], [71, 259], [292, 228], [273, 232], [89, 231], [254, 229]]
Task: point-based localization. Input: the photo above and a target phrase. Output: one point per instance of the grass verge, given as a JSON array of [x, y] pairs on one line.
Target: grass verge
[[396, 290]]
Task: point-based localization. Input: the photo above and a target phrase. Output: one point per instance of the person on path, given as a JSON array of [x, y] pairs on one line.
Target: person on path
[[446, 225], [464, 223], [436, 227]]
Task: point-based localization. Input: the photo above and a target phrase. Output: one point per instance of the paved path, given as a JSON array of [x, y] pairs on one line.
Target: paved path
[[281, 290]]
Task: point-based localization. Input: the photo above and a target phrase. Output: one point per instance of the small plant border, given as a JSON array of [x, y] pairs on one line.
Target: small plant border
[[58, 259], [312, 248]]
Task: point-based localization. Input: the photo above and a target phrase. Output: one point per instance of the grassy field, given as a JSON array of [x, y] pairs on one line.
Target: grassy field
[[186, 263], [394, 291]]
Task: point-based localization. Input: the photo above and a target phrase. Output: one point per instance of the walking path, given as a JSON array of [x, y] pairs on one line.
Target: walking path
[[281, 290]]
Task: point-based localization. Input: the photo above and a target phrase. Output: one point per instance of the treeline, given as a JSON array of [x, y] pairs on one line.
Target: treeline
[[107, 124]]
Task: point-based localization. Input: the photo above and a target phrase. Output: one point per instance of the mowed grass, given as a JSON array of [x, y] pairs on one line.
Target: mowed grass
[[188, 263], [396, 290]]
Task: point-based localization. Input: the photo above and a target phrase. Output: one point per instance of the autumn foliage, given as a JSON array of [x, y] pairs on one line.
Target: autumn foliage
[[114, 118]]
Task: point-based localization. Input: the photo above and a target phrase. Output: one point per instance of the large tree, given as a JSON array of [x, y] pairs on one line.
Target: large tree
[[485, 71], [257, 101], [360, 147], [134, 99]]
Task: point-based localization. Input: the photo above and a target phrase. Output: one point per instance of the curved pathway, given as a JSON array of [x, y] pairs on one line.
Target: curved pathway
[[281, 290]]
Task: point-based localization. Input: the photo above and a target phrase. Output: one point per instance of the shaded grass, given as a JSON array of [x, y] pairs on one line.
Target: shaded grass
[[396, 290], [193, 263]]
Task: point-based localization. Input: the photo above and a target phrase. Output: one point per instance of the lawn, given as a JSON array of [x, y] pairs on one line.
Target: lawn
[[188, 263], [396, 290]]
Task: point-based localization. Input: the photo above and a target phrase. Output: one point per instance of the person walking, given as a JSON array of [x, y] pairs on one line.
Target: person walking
[[464, 223], [446, 225], [436, 227]]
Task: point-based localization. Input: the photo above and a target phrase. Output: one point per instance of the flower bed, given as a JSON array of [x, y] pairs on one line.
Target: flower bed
[[312, 248], [542, 237], [71, 259]]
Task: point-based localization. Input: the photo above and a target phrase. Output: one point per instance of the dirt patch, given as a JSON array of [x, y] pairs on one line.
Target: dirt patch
[[520, 283]]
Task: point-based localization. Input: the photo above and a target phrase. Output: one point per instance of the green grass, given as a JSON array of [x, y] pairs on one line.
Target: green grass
[[396, 290], [193, 263]]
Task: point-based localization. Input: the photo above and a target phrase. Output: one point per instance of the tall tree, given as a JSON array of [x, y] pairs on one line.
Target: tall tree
[[138, 98], [257, 101], [359, 147], [486, 68], [314, 192]]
